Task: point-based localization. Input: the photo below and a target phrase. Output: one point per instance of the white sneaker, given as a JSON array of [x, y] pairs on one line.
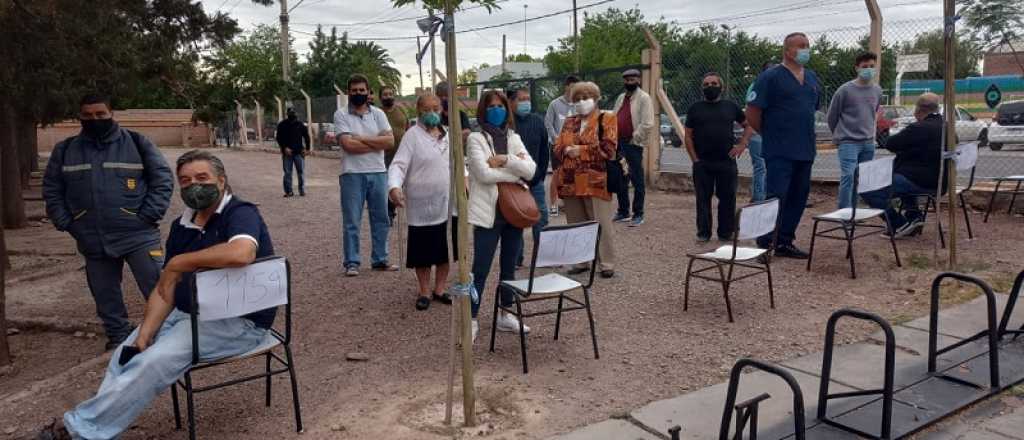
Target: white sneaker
[[509, 323], [476, 329]]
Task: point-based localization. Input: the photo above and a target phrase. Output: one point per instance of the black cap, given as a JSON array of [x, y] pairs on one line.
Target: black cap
[[630, 72]]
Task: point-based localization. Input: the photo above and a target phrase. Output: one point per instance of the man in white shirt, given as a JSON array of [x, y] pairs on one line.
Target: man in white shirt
[[365, 134]]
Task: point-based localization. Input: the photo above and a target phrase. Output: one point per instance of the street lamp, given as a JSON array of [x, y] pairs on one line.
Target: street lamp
[[728, 57]]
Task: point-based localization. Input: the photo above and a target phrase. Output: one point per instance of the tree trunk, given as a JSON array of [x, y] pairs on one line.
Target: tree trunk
[[28, 153], [5, 351], [10, 174]]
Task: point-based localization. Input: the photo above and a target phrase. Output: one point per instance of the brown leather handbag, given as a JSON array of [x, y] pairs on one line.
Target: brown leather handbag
[[517, 204]]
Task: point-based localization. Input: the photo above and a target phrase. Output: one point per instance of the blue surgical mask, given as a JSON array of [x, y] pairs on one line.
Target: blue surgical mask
[[496, 116], [523, 108], [803, 56], [430, 119], [866, 73]]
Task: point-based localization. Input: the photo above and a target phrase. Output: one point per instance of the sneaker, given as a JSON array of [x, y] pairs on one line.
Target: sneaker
[[607, 273], [384, 267], [553, 212], [509, 323], [286, 195], [909, 229], [476, 329], [53, 431], [352, 271], [637, 221], [790, 251], [621, 218], [422, 303]]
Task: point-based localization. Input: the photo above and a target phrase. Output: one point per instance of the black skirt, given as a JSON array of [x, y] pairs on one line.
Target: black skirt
[[427, 246]]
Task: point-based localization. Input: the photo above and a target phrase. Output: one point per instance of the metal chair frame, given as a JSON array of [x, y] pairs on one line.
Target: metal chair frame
[[1014, 193], [726, 269], [521, 298], [287, 363]]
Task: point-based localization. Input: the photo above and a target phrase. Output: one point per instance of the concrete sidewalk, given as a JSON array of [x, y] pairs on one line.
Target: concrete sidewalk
[[856, 366]]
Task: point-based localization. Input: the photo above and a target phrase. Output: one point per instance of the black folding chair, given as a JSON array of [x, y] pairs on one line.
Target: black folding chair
[[1019, 179], [558, 246], [755, 220], [869, 176], [966, 159], [266, 280]]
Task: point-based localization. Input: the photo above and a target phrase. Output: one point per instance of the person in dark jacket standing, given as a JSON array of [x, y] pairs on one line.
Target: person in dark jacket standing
[[109, 188], [530, 127], [293, 138], [712, 147], [918, 151]]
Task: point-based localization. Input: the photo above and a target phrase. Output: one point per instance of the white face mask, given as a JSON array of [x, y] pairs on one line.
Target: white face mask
[[585, 106]]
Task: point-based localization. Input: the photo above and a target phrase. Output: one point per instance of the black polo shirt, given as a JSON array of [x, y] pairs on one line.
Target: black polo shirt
[[235, 219], [712, 124]]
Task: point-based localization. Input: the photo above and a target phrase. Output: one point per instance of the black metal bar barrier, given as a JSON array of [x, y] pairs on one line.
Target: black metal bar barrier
[[889, 371], [800, 432], [1011, 302], [992, 332]]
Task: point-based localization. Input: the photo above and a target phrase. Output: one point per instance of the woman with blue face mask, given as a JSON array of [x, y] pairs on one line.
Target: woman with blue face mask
[[495, 155]]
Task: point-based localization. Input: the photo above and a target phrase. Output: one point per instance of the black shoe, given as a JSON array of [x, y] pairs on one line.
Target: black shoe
[[286, 195], [443, 298], [422, 303], [302, 193], [702, 239], [577, 270], [53, 431], [607, 273], [790, 251], [384, 267], [725, 239]]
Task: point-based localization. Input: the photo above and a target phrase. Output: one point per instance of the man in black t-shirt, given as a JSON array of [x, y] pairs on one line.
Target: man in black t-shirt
[[713, 150]]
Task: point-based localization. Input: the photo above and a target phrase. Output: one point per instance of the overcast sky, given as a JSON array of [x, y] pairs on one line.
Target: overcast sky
[[764, 17]]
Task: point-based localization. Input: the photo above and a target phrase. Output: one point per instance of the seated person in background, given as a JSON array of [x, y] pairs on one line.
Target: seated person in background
[[217, 230], [918, 149]]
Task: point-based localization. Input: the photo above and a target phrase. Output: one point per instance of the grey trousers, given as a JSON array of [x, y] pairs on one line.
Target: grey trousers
[[104, 277]]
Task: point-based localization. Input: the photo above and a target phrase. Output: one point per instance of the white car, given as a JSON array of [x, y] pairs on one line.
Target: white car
[[1008, 125], [968, 127]]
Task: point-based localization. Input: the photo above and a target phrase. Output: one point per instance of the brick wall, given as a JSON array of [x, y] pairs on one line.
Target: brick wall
[[1002, 64], [166, 128]]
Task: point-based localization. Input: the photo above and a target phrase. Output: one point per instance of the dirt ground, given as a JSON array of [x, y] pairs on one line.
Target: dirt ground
[[650, 348]]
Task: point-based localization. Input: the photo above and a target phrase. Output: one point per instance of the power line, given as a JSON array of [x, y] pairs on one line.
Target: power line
[[393, 20]]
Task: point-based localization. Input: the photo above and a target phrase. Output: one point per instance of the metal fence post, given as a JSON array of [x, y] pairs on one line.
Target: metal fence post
[[259, 122], [309, 116], [280, 108], [244, 135]]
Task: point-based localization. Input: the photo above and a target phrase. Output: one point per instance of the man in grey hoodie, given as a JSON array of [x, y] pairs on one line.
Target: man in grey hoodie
[[851, 118]]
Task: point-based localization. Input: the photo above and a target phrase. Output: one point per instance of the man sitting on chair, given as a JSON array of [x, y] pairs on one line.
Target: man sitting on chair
[[216, 230], [918, 149]]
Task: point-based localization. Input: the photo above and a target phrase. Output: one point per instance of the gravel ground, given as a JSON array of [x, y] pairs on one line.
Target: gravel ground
[[650, 348]]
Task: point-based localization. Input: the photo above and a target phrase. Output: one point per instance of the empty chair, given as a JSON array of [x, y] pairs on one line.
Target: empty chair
[[1013, 199], [871, 176], [755, 220], [563, 245]]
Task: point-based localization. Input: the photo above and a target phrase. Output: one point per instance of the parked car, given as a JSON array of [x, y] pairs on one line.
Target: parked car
[[968, 127], [1008, 125], [668, 132], [885, 118]]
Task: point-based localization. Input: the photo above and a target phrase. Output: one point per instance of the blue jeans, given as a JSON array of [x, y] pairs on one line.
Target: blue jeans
[[127, 390], [851, 154], [757, 162], [635, 160], [357, 189], [299, 163], [900, 188], [538, 195], [790, 181], [485, 243]]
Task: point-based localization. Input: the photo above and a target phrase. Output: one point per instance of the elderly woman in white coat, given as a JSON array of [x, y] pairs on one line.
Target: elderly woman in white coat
[[418, 180], [496, 155]]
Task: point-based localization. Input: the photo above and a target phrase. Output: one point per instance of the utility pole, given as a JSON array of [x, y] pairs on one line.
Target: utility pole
[[433, 62], [524, 28], [575, 36], [728, 59], [285, 49], [419, 61], [503, 55], [949, 107]]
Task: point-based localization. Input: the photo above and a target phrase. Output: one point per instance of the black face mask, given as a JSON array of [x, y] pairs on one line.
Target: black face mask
[[97, 128], [200, 196], [712, 93], [388, 102], [292, 117], [358, 100], [632, 87]]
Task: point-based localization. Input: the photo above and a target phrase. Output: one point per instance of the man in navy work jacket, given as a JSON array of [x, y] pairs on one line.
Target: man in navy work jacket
[[781, 107], [109, 187], [530, 127], [216, 230]]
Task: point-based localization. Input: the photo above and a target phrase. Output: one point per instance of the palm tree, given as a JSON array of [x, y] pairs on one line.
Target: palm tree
[[372, 60]]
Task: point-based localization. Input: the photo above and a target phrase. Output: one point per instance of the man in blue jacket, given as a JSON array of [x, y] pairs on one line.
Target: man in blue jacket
[[530, 127], [109, 187]]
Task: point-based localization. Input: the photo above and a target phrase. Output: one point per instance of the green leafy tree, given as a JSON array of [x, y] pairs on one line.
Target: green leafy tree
[[326, 63], [610, 38], [968, 55], [372, 60], [523, 58], [996, 22]]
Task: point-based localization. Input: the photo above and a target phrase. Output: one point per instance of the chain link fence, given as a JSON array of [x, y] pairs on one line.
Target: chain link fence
[[738, 57]]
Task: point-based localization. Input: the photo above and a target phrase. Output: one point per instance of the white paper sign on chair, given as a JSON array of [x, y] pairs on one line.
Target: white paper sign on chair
[[758, 220], [874, 175], [565, 246], [967, 156], [228, 293]]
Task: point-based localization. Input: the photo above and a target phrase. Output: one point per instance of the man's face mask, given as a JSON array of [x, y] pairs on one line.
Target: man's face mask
[[358, 99], [200, 196], [97, 128], [387, 102]]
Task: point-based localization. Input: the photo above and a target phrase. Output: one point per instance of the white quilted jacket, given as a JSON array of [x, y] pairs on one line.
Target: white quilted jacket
[[483, 180]]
